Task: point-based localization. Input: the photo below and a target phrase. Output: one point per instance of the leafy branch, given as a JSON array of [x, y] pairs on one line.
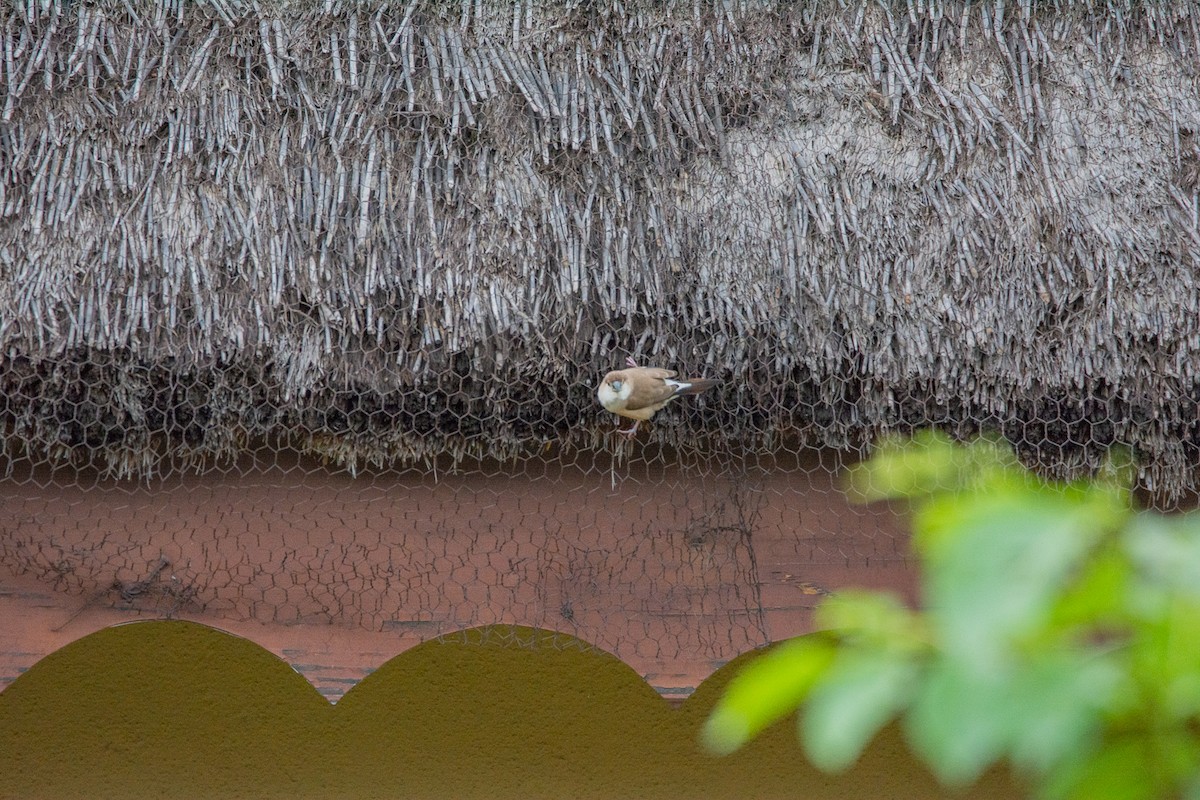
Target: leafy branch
[[1059, 631]]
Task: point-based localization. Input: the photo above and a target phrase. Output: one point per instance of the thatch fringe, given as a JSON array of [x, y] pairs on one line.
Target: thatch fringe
[[387, 230]]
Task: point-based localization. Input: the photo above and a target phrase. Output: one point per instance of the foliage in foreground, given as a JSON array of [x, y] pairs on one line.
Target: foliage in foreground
[[1059, 631]]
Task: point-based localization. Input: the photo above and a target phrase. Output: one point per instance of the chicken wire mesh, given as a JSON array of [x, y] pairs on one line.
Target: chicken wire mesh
[[304, 309], [664, 567]]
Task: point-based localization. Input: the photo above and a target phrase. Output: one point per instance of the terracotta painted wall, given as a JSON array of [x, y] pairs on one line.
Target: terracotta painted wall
[[673, 570]]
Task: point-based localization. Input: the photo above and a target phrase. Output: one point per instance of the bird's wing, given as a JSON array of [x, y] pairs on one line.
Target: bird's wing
[[657, 373], [650, 390]]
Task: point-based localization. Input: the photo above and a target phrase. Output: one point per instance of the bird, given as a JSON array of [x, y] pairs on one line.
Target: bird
[[638, 392]]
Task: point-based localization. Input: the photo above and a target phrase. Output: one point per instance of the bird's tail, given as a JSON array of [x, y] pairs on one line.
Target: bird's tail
[[694, 385]]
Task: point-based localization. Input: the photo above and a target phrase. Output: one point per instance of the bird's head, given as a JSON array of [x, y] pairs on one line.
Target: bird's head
[[614, 390]]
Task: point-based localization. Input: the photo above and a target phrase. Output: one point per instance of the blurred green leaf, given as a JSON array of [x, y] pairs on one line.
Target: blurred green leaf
[[1117, 771], [1192, 790], [1056, 706], [770, 688], [958, 721], [995, 579], [863, 691], [1166, 659], [880, 619], [1166, 550], [927, 464], [1098, 595]]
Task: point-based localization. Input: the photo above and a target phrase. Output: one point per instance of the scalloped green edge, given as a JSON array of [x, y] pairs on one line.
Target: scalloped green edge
[[177, 709]]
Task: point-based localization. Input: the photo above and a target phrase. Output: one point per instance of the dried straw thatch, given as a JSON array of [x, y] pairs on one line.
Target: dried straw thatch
[[384, 229]]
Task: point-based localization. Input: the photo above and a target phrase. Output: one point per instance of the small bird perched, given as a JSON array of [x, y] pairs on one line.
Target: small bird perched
[[638, 392]]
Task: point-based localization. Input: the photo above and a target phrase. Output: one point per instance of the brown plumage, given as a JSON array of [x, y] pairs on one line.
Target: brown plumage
[[639, 392]]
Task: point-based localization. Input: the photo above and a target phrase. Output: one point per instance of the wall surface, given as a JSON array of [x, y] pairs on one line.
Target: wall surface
[[675, 573]]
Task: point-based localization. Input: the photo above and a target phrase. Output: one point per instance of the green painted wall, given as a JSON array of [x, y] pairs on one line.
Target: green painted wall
[[178, 710]]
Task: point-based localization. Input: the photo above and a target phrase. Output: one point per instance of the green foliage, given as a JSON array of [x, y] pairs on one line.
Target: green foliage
[[1059, 631]]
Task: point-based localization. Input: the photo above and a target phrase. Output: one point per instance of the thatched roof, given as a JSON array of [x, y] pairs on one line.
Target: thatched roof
[[377, 230]]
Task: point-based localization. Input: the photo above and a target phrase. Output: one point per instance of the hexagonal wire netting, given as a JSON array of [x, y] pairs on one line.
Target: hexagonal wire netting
[[304, 309]]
